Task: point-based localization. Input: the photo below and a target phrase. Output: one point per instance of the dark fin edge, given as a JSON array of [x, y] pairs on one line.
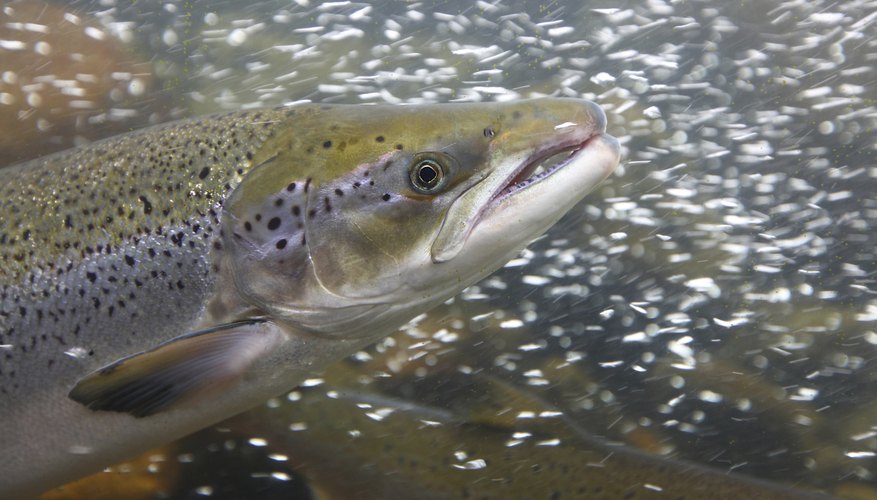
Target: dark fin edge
[[151, 381]]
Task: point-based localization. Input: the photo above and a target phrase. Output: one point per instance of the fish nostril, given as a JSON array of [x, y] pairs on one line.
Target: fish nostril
[[595, 115]]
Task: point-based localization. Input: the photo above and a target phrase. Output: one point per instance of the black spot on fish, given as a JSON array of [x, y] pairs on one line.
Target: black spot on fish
[[327, 144], [296, 210], [130, 260], [291, 187], [204, 173], [278, 202], [339, 192], [248, 226], [147, 206], [68, 222], [274, 223], [386, 197], [379, 138], [399, 147], [281, 244]]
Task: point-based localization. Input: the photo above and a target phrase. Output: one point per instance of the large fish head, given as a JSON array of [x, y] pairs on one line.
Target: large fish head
[[362, 216]]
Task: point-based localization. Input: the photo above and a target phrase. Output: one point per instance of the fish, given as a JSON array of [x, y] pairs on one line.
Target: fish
[[157, 282], [497, 442]]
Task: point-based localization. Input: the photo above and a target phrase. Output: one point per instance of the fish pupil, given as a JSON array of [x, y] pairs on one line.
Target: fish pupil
[[427, 174]]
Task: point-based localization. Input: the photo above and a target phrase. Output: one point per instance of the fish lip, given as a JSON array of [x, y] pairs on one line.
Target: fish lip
[[586, 122], [522, 177]]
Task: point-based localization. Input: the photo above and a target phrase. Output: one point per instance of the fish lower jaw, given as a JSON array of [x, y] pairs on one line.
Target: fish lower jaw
[[528, 211], [509, 223], [598, 154]]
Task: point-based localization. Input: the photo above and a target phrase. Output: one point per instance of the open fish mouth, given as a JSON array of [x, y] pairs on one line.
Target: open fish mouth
[[543, 164], [551, 166]]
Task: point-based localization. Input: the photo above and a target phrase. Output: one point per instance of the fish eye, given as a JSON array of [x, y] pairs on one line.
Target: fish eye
[[428, 172]]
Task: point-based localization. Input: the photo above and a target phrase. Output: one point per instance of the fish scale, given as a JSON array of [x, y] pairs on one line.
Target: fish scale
[[157, 282]]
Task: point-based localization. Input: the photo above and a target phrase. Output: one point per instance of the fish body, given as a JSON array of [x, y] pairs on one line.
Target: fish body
[[158, 282]]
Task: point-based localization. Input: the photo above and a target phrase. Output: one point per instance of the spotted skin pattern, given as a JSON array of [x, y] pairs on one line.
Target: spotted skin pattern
[[108, 236], [105, 250]]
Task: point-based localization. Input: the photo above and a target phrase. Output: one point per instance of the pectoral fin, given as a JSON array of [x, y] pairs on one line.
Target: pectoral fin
[[151, 381]]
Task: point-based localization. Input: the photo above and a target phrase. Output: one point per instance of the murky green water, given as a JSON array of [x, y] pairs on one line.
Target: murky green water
[[714, 301]]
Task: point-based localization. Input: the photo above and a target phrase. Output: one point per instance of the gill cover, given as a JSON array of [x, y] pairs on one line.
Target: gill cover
[[266, 243]]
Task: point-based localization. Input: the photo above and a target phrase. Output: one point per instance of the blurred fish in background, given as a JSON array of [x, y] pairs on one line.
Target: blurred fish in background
[[713, 304]]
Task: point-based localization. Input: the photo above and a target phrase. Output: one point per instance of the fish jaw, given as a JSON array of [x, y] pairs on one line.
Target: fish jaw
[[521, 208], [566, 125], [530, 208]]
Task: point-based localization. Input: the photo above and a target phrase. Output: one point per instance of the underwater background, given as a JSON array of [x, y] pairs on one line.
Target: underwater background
[[713, 302]]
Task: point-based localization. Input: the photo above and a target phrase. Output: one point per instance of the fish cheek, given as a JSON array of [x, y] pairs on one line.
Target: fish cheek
[[367, 247]]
